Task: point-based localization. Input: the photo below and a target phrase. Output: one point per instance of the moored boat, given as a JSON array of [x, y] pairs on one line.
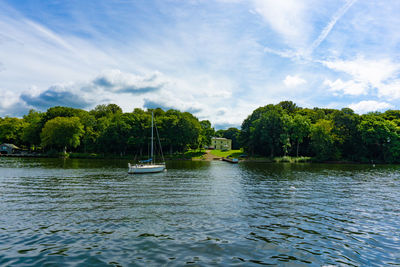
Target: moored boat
[[148, 166], [231, 160]]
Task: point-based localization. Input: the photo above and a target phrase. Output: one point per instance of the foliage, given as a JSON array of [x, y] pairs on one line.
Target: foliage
[[206, 133], [326, 134], [62, 133], [281, 132], [381, 138], [299, 129], [31, 133], [322, 141], [11, 130]]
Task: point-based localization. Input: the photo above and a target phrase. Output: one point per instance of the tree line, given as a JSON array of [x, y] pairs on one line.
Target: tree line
[[324, 134], [283, 129], [105, 129]]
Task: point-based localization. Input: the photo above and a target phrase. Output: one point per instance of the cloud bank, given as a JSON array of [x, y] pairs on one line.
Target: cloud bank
[[218, 59], [366, 106]]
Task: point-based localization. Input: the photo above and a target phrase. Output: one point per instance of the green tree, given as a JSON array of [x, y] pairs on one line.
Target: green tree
[[180, 130], [62, 133], [105, 110], [300, 129], [169, 129], [31, 133], [206, 133], [285, 135], [381, 137], [139, 133], [312, 114], [269, 130], [11, 130], [322, 140], [246, 134], [289, 107], [346, 132]]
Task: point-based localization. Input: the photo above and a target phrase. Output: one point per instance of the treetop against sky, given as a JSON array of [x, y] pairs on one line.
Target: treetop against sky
[[218, 59]]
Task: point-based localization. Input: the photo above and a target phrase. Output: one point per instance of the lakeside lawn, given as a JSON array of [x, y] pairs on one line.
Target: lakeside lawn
[[224, 154], [194, 154], [201, 153]]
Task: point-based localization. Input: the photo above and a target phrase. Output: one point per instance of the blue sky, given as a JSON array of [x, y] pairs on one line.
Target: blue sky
[[219, 59]]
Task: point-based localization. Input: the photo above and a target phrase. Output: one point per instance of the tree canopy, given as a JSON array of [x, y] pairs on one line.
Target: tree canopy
[[62, 132], [325, 134], [271, 130]]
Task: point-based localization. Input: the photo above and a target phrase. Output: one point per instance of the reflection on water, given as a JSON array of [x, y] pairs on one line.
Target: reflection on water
[[91, 212]]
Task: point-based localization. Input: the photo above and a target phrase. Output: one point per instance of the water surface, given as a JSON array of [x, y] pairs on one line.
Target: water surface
[[91, 212]]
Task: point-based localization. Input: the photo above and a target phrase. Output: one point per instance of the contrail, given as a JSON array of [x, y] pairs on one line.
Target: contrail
[[330, 25]]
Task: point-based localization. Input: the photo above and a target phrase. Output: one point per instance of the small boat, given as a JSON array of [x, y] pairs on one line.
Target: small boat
[[148, 166], [231, 160]]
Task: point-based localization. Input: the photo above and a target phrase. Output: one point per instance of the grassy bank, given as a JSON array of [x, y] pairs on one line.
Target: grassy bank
[[224, 154]]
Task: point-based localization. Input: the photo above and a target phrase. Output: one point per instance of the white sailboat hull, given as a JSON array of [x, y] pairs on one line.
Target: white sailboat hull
[[149, 168]]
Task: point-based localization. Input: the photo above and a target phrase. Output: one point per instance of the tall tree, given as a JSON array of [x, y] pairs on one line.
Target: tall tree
[[31, 133], [381, 137], [62, 133], [346, 133], [249, 135], [206, 133], [11, 130], [322, 140], [289, 107], [300, 129], [270, 129]]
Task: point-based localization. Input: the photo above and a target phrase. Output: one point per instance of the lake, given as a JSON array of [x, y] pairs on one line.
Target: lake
[[93, 213]]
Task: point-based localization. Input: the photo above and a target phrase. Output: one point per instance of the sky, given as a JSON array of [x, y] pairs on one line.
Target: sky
[[218, 59]]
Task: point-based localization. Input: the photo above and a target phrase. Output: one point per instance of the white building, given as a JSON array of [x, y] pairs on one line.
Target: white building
[[221, 143]]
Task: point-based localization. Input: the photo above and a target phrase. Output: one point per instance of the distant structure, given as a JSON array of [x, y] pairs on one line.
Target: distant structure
[[9, 149], [220, 143]]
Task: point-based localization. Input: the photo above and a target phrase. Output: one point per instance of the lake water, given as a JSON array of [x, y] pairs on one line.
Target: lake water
[[92, 213]]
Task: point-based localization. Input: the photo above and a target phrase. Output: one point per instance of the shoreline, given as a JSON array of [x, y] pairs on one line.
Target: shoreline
[[210, 157]]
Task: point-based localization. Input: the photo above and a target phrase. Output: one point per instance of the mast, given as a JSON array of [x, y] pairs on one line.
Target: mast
[[152, 137]]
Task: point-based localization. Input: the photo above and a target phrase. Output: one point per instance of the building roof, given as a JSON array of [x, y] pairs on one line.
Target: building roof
[[220, 138]]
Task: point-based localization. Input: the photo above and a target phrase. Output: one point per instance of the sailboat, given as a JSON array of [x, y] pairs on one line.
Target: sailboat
[[148, 166]]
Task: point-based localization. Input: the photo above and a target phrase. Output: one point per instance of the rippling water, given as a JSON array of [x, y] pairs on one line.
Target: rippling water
[[91, 212]]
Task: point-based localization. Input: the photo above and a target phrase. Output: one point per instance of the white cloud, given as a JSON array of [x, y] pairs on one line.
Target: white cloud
[[369, 105], [366, 74], [347, 88], [7, 98], [10, 104], [288, 18], [390, 90], [211, 61], [293, 81], [363, 70]]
